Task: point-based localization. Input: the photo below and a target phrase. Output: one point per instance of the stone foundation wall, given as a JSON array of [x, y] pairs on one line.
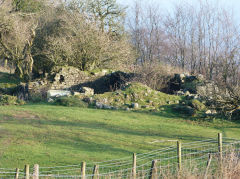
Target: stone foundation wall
[[67, 77]]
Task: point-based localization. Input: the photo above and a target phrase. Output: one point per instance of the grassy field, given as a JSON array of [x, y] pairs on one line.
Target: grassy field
[[54, 135]]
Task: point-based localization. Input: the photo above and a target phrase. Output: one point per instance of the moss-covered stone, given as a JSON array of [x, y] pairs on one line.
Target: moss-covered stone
[[136, 93]]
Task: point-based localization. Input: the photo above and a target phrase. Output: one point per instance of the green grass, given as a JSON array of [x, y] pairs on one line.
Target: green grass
[[54, 135]]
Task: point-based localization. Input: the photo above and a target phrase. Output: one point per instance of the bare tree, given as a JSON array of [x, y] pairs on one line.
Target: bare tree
[[147, 33]]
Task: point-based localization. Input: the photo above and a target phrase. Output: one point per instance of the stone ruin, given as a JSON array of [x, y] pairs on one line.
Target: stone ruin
[[190, 85], [66, 77], [77, 82]]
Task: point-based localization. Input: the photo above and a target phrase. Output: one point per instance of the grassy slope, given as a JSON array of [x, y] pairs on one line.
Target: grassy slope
[[53, 135]]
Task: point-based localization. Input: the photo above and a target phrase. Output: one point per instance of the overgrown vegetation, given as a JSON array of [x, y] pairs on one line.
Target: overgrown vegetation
[[10, 100], [137, 93]]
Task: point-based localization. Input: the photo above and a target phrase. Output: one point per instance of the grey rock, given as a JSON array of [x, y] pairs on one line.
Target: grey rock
[[99, 105], [105, 106], [76, 94], [58, 93], [180, 93], [87, 91], [50, 100], [176, 101], [208, 112], [187, 93], [135, 105]]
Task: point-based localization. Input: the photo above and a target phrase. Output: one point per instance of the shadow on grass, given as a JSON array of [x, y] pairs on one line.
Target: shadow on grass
[[103, 126]]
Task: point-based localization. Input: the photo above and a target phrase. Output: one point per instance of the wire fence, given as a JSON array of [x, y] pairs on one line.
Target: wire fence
[[166, 160]]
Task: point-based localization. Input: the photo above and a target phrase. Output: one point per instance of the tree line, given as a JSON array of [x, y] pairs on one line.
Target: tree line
[[201, 39], [37, 35]]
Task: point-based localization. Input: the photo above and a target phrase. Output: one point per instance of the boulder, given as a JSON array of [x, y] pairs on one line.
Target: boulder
[[211, 112], [99, 105], [135, 105], [58, 93], [208, 112], [87, 91]]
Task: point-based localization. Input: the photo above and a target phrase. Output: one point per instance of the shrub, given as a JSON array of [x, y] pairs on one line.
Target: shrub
[[156, 75], [10, 100], [70, 101], [196, 104]]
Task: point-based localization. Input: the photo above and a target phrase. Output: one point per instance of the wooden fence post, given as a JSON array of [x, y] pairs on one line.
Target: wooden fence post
[[179, 155], [17, 173], [208, 165], [220, 145], [153, 171], [26, 171], [95, 172], [134, 169], [36, 171], [83, 170]]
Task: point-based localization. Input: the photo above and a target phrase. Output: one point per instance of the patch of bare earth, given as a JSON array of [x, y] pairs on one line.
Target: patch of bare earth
[[25, 115]]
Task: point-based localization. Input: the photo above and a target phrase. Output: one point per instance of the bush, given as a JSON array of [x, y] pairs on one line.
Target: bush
[[10, 100], [66, 38], [156, 75], [70, 101]]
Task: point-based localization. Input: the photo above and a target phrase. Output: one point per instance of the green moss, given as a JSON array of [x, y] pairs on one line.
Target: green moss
[[137, 93]]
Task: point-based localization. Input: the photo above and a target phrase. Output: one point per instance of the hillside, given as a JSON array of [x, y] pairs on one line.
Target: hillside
[[53, 135]]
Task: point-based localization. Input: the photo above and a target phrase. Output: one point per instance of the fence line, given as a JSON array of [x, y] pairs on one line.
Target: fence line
[[143, 165]]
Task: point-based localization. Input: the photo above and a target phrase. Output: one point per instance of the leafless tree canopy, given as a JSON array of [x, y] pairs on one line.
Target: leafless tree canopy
[[201, 39]]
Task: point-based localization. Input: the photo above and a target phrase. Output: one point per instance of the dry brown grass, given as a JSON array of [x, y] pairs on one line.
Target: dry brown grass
[[230, 169], [156, 75]]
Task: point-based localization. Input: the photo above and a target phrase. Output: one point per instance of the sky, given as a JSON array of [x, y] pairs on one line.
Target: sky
[[167, 5]]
